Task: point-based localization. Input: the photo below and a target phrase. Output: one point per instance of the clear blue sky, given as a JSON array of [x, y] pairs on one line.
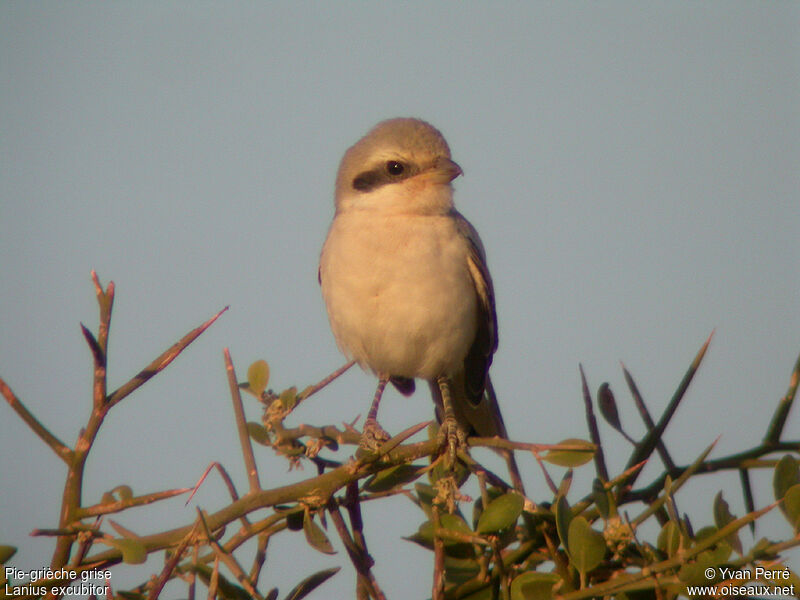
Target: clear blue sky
[[632, 168]]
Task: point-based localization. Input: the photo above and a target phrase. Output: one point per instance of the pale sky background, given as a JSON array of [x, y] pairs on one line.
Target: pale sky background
[[632, 168]]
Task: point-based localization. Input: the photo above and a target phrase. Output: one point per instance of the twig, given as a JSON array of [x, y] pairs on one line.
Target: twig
[[105, 508], [591, 421], [314, 492], [438, 557], [241, 425], [169, 568], [87, 539], [267, 527], [724, 463], [229, 560], [73, 487], [747, 491], [610, 587], [160, 363], [214, 581], [784, 406], [676, 485], [550, 483], [225, 478], [646, 418], [56, 445], [646, 446], [485, 475], [353, 506], [354, 543], [283, 434], [228, 483], [259, 558], [193, 574], [313, 389]]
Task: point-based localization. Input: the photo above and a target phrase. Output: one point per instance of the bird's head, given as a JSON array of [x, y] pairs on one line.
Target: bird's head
[[400, 165]]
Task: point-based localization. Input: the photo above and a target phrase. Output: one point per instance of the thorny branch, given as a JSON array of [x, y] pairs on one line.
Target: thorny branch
[[509, 540]]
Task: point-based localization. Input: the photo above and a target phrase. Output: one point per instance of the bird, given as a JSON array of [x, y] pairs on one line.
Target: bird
[[405, 280]]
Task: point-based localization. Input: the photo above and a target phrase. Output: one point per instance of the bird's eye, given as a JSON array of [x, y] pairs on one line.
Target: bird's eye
[[395, 168]]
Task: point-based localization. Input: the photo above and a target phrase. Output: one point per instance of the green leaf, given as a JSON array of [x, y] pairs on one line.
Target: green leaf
[[692, 573], [454, 548], [571, 458], [587, 547], [786, 475], [705, 532], [791, 506], [258, 377], [258, 433], [713, 557], [565, 484], [533, 586], [225, 589], [563, 515], [425, 495], [458, 472], [316, 536], [601, 499], [669, 538], [461, 570], [133, 551], [723, 516], [289, 398], [118, 494], [608, 406], [448, 521], [454, 522], [124, 492], [760, 547], [477, 507], [394, 477], [718, 553], [310, 583], [6, 552], [501, 513]]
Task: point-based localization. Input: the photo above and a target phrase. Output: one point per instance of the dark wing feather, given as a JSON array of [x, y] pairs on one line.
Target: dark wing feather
[[479, 357]]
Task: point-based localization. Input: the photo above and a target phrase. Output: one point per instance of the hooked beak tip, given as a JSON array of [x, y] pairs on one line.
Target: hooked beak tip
[[450, 167]]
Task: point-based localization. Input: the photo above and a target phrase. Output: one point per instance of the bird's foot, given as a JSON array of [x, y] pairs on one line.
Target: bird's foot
[[454, 437], [373, 435]]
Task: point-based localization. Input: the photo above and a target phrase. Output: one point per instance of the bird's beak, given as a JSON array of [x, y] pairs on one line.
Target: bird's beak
[[446, 170]]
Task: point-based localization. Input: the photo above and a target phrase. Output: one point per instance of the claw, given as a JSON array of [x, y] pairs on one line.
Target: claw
[[373, 435], [451, 435], [450, 432]]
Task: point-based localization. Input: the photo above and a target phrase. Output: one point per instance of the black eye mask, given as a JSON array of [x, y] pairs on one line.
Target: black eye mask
[[391, 171]]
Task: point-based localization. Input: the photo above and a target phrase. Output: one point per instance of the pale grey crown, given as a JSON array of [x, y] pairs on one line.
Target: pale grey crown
[[415, 143]]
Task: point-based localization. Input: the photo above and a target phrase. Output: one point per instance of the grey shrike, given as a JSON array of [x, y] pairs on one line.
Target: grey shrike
[[405, 280]]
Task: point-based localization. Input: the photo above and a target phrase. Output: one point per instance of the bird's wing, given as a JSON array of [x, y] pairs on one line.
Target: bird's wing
[[481, 411], [479, 357]]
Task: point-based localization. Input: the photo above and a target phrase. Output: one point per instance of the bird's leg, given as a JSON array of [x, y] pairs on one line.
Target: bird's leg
[[373, 434], [450, 431]]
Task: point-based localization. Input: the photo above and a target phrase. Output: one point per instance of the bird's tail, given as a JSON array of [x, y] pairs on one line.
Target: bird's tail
[[483, 419]]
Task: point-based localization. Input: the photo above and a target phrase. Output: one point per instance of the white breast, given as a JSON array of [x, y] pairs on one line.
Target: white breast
[[400, 298]]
